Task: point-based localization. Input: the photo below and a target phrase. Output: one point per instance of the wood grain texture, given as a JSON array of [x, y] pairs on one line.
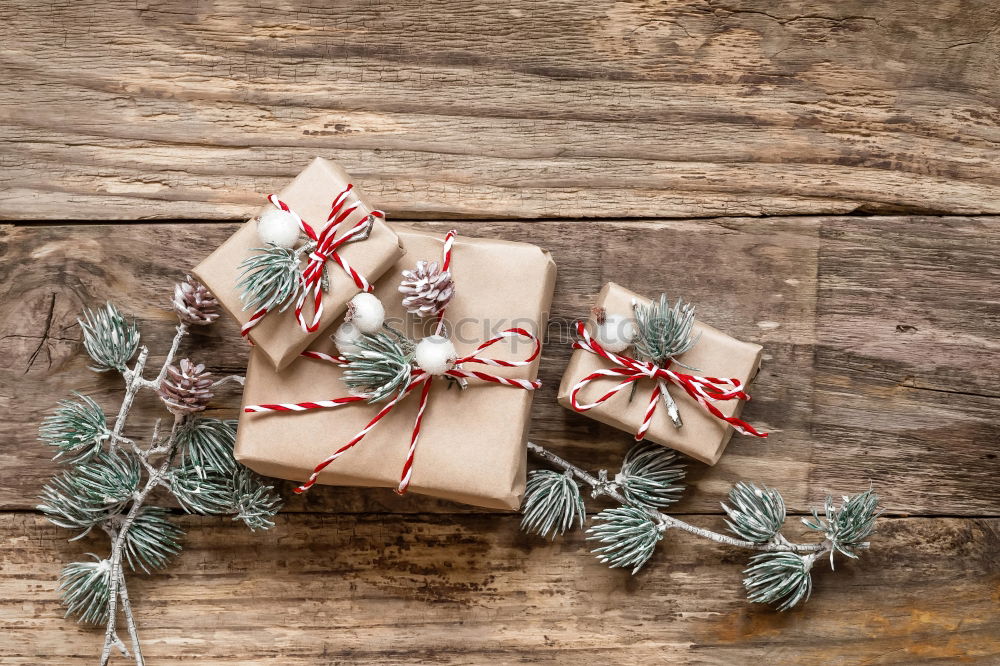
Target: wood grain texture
[[473, 589], [697, 108], [878, 334]]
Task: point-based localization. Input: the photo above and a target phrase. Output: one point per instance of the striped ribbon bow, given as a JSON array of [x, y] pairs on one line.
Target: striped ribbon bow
[[705, 390], [418, 377], [326, 245]]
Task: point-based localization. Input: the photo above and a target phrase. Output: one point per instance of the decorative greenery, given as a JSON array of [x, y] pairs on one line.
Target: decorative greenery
[[778, 574], [63, 507], [631, 536], [152, 540], [86, 589], [270, 278], [254, 503], [207, 443], [651, 476], [846, 528], [77, 429], [380, 367], [552, 503], [108, 338], [108, 476], [202, 491], [663, 332], [781, 578], [757, 514]]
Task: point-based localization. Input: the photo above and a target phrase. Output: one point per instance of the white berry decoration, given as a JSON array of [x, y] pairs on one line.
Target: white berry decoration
[[278, 227], [346, 338], [366, 312], [435, 355], [616, 333]]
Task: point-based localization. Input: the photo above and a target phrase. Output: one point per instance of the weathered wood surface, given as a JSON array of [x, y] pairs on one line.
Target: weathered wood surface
[[879, 336], [697, 108], [879, 332], [472, 590]]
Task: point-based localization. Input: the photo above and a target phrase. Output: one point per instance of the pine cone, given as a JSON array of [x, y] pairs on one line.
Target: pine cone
[[194, 303], [427, 289], [186, 389]]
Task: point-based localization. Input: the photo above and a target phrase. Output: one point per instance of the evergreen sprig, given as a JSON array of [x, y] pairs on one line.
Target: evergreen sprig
[[781, 578], [207, 444], [109, 476], [77, 429], [270, 278], [210, 491], [756, 514], [630, 536], [380, 367], [65, 507], [663, 332], [207, 492], [85, 588], [254, 502], [151, 540], [780, 572], [651, 476], [91, 492], [846, 528], [110, 340], [552, 504]]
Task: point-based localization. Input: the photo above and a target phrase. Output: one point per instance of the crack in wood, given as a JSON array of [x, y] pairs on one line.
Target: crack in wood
[[44, 337]]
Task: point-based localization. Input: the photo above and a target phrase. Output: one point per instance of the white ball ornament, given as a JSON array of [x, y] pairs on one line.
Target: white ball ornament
[[279, 227], [616, 333], [435, 355], [366, 312], [346, 338]]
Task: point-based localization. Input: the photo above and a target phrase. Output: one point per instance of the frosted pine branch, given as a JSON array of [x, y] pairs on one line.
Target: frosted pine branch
[[108, 477], [650, 479]]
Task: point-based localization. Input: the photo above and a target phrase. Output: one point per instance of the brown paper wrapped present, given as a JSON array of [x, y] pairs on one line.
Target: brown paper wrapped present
[[472, 441], [278, 335], [703, 435]]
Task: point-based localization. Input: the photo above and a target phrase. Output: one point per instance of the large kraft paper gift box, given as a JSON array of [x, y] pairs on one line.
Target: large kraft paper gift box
[[278, 335], [702, 436], [472, 446]]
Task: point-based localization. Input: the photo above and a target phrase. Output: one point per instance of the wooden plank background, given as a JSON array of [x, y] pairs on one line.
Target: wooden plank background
[[818, 176]]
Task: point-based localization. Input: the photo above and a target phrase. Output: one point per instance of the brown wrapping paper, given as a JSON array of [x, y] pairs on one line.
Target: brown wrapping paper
[[278, 335], [472, 443], [716, 354]]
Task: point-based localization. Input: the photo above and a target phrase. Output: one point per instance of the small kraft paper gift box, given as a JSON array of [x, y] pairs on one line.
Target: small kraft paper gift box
[[690, 402], [288, 273], [428, 434]]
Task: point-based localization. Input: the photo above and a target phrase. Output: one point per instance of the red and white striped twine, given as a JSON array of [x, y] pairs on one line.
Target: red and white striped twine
[[417, 377], [327, 244], [705, 390]]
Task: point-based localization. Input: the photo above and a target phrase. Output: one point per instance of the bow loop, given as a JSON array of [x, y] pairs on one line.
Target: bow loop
[[504, 335]]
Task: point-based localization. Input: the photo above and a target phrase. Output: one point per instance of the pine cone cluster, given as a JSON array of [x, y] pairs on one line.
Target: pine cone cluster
[[187, 388], [427, 289], [194, 303]]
